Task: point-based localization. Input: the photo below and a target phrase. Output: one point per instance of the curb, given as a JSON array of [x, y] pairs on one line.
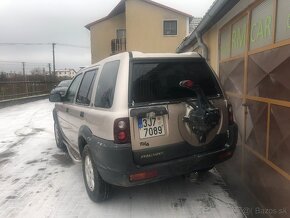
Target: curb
[[11, 102]]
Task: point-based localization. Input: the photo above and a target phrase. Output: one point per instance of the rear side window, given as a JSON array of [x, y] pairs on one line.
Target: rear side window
[[106, 85], [85, 90], [159, 80]]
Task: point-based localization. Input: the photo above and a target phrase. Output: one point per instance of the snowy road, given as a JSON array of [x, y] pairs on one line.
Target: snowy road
[[38, 180]]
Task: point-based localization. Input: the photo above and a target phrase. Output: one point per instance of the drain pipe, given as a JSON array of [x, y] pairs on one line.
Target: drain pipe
[[202, 45], [213, 15]]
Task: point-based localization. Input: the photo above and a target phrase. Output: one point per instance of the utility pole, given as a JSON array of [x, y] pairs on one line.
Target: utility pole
[[49, 68], [23, 70], [24, 75], [53, 59]]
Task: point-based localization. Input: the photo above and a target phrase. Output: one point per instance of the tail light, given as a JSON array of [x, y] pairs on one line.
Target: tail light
[[230, 114], [122, 131]]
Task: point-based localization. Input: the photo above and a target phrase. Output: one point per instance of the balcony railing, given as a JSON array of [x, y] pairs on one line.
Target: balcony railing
[[118, 45]]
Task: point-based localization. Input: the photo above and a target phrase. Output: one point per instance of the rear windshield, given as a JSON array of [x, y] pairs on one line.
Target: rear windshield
[[154, 81]]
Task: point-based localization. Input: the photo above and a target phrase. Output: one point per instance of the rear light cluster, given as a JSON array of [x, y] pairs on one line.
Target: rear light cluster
[[122, 131], [230, 114]]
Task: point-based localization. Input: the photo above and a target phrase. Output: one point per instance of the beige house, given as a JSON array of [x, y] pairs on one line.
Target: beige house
[[138, 25], [248, 44]]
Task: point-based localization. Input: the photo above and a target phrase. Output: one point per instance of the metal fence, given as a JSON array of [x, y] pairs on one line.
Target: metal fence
[[20, 89], [22, 79]]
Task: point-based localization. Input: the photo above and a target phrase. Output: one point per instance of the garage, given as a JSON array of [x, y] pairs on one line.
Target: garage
[[248, 45]]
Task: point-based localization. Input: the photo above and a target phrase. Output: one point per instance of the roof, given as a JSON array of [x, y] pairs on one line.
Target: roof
[[217, 11], [194, 23], [121, 7], [141, 55], [137, 54]]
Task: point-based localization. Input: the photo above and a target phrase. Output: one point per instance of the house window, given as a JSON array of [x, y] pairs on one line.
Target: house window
[[170, 27], [121, 33]]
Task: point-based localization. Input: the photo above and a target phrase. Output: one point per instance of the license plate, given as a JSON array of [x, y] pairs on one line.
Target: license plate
[[151, 127]]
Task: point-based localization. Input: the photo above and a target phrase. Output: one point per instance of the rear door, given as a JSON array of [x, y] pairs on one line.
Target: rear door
[[81, 106], [157, 107]]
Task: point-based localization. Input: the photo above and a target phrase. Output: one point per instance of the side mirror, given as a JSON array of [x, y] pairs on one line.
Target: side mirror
[[63, 91], [55, 97]]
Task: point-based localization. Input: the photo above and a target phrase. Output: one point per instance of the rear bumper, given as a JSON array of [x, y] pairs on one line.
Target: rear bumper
[[115, 162]]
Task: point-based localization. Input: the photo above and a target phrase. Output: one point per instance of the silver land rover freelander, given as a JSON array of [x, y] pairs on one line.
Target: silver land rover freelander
[[136, 118]]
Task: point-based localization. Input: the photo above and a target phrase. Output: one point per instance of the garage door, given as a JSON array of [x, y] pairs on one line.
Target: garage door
[[254, 68]]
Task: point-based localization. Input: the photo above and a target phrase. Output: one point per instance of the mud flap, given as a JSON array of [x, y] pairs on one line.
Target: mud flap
[[232, 135]]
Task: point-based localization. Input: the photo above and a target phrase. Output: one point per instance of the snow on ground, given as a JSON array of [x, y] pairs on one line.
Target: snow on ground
[[38, 180]]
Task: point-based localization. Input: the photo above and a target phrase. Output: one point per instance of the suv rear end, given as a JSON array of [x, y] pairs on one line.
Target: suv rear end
[[136, 118], [154, 142]]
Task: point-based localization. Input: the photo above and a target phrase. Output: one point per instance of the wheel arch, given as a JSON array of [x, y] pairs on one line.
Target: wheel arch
[[84, 137], [54, 114]]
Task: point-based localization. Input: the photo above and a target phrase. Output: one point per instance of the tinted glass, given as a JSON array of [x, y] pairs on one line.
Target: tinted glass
[[170, 27], [71, 92], [64, 83], [159, 81], [106, 85], [84, 94]]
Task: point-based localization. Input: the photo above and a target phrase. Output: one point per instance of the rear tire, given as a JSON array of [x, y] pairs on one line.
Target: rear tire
[[59, 138], [97, 189]]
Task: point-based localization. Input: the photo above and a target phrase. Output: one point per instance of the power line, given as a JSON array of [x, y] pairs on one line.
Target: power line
[[71, 45], [22, 43], [29, 44], [53, 44], [19, 62]]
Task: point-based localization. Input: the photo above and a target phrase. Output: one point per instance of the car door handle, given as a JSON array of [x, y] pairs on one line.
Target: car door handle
[[82, 114], [67, 110]]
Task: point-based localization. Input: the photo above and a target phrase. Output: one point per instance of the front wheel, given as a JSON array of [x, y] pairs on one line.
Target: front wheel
[[97, 189]]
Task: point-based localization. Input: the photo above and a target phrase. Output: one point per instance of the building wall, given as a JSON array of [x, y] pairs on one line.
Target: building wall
[[144, 24], [250, 48], [211, 37], [101, 35]]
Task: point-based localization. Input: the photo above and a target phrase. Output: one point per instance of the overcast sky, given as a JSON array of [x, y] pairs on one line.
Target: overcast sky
[[61, 21]]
